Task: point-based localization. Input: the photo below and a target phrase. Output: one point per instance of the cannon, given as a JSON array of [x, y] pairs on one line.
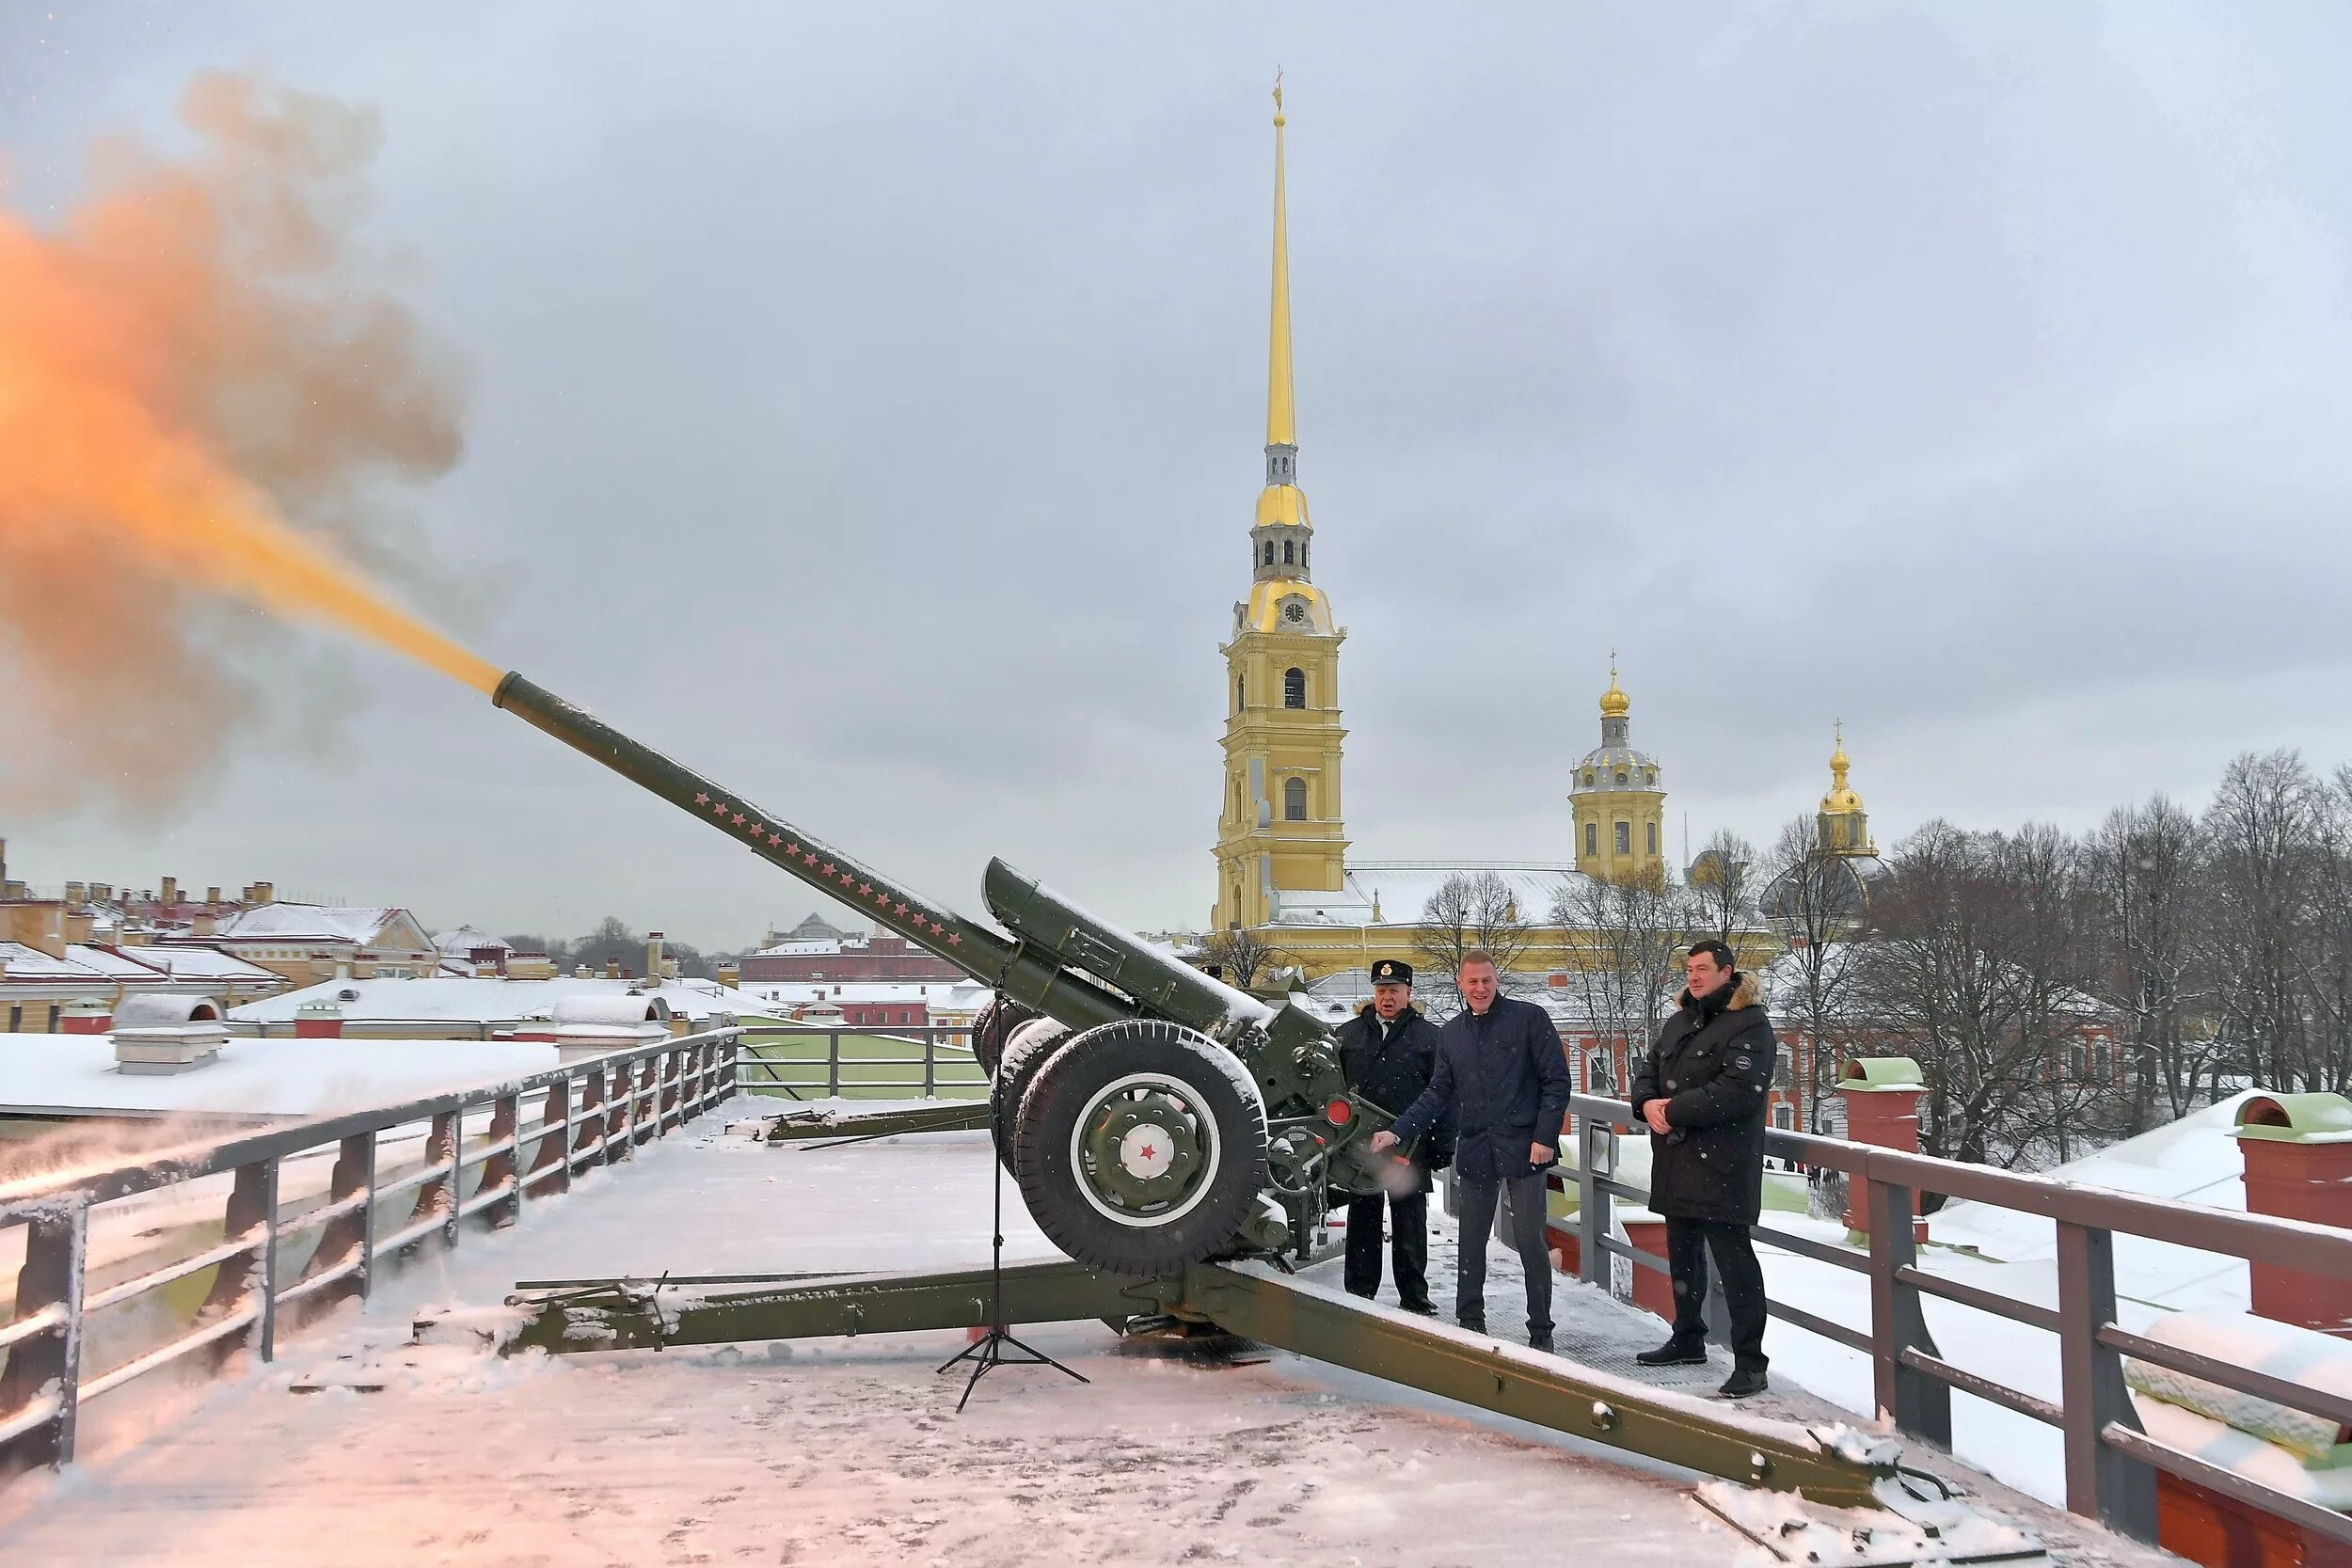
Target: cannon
[[1153, 1117]]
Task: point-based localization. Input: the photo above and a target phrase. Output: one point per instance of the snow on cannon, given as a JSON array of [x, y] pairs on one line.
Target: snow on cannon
[[1155, 1117]]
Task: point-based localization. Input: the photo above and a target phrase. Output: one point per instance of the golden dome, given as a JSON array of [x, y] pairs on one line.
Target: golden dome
[[1841, 799], [1614, 703], [1282, 503]]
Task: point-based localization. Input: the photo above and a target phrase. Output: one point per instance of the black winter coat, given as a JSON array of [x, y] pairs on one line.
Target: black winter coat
[[1714, 1074], [1504, 1080], [1391, 1072]]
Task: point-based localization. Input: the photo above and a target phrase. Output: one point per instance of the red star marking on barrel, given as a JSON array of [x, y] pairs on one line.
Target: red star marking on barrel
[[900, 909], [956, 940], [937, 929], [866, 889], [703, 798], [739, 818], [828, 865], [792, 848], [848, 877], [774, 839], [810, 857]]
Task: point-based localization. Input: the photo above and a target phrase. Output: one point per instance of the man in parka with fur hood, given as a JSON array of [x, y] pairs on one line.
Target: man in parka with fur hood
[[1702, 1092]]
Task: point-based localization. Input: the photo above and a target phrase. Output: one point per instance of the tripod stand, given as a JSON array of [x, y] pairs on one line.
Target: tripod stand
[[997, 1347]]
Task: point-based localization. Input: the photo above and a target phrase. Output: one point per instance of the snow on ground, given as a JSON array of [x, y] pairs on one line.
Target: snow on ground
[[831, 1451], [76, 1074], [848, 1451]]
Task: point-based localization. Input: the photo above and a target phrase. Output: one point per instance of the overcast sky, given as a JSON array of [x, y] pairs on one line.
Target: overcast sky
[[865, 406]]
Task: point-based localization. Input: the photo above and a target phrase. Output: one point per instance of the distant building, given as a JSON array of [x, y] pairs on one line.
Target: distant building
[[814, 950], [307, 942], [871, 1004]]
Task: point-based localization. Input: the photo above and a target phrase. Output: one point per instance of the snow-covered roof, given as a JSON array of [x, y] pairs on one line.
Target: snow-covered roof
[[1402, 888], [115, 964], [193, 961], [466, 941], [949, 995], [76, 1074], [490, 999], [308, 923], [19, 961]]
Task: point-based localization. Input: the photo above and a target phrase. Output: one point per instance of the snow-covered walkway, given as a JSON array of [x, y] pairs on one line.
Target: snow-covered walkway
[[841, 1451]]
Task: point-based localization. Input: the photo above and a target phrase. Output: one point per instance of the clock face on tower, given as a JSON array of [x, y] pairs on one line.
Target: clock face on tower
[[1295, 612]]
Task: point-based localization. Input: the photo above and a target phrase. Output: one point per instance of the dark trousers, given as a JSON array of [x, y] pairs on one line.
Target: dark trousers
[[1408, 1227], [1526, 1211], [1688, 1242]]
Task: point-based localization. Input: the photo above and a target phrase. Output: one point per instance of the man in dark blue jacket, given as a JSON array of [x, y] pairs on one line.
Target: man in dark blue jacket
[[1504, 1078], [1390, 1052]]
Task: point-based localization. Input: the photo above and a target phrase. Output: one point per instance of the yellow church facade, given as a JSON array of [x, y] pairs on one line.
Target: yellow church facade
[[1284, 871]]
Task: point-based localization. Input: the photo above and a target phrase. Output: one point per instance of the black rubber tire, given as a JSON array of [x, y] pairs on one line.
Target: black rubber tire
[[991, 1026], [1044, 1157], [1026, 1050]]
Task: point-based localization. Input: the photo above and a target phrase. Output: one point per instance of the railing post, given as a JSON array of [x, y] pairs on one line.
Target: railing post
[[591, 1119], [350, 1238], [832, 1064], [620, 1121], [252, 1205], [550, 1162], [931, 1064], [55, 1248], [1595, 1158], [505, 1126], [2102, 1482], [268, 1335], [439, 1195], [1920, 1405]]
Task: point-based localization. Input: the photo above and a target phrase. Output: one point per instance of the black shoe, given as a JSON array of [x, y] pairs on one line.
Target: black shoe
[[1744, 1383], [1476, 1326], [1420, 1308], [1539, 1341], [1674, 1352]]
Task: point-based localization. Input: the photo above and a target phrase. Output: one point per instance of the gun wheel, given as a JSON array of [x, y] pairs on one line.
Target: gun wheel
[[992, 1028], [1026, 1050], [1141, 1147]]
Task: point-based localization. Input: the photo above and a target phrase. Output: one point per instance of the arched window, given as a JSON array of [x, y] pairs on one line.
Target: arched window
[[1294, 799], [1624, 838], [1269, 552], [1592, 838], [1293, 688], [1241, 687], [1288, 558], [1653, 838]]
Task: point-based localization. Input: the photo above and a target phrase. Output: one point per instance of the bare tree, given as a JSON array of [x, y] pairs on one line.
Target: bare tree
[[1633, 929], [2263, 826], [1722, 886], [1470, 912], [1813, 903], [1238, 954], [2146, 871]]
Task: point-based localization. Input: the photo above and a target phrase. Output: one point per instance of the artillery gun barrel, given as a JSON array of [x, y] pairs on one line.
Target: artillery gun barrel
[[984, 954]]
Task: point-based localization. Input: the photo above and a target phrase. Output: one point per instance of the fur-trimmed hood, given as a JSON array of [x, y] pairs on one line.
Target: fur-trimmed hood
[[1746, 991]]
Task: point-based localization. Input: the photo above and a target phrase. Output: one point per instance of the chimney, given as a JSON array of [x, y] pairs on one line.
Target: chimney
[[73, 895], [171, 890], [102, 893], [580, 972], [653, 956], [77, 926], [320, 1019], [2299, 1167], [262, 892], [730, 974], [166, 1034], [87, 1016], [211, 897], [612, 969]]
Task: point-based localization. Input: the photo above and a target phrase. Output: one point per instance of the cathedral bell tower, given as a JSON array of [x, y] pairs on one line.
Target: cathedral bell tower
[[1843, 826], [1280, 830]]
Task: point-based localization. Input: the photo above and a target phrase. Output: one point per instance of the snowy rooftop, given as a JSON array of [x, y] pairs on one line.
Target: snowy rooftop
[[486, 998], [1402, 888], [307, 922], [76, 1075]]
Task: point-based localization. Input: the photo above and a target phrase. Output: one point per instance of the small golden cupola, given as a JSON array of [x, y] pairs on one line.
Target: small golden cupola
[[1618, 797], [1844, 825]]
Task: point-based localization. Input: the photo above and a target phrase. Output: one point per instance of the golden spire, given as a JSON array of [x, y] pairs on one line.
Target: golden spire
[[1614, 703], [1281, 426]]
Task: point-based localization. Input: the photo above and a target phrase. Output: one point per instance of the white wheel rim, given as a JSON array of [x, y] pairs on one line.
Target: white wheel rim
[[1204, 1133]]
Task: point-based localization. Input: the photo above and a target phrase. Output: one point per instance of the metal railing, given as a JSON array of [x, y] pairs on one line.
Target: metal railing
[[932, 1061], [588, 1113], [2110, 1462]]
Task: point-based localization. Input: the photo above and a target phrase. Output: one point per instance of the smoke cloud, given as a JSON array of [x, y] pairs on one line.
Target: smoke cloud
[[206, 384]]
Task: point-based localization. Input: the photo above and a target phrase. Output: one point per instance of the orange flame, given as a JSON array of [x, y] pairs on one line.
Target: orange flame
[[191, 359]]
